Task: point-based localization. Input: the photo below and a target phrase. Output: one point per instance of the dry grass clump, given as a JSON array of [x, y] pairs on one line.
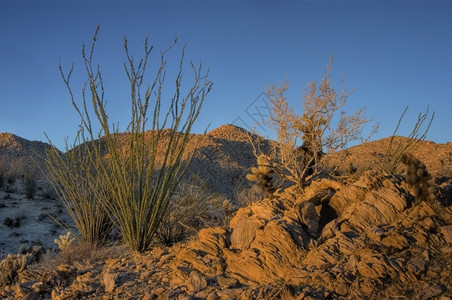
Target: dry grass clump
[[81, 252], [192, 207], [70, 250], [247, 194]]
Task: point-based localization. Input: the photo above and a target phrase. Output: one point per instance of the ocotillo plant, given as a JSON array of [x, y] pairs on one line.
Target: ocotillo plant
[[140, 174]]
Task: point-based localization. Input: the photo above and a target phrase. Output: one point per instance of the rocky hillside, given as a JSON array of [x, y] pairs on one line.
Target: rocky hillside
[[27, 201], [367, 237], [368, 156]]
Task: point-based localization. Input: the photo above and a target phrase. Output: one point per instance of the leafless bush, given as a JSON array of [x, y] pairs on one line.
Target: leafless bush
[[446, 166], [321, 127]]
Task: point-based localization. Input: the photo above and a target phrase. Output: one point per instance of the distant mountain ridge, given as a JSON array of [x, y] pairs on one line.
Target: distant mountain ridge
[[224, 154]]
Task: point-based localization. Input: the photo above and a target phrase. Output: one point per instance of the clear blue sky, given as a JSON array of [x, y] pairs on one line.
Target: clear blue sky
[[393, 53]]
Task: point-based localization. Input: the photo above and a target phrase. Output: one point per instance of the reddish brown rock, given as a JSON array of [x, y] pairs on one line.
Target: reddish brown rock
[[446, 231], [109, 281]]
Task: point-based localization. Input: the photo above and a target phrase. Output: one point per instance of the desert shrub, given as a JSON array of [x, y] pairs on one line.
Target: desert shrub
[[192, 207], [71, 251], [418, 177], [228, 209], [139, 176], [395, 151], [11, 266], [13, 222], [30, 183], [14, 170], [303, 138], [3, 171]]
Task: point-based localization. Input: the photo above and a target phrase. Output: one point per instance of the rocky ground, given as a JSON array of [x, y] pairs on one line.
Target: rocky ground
[[366, 237]]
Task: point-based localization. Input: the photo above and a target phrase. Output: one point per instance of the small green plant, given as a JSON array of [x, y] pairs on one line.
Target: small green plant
[[65, 242], [11, 266]]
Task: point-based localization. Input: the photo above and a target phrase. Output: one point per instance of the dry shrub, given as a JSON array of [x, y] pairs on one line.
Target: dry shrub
[[446, 167], [82, 252], [192, 207], [248, 194], [30, 181], [14, 170], [13, 222], [321, 127]]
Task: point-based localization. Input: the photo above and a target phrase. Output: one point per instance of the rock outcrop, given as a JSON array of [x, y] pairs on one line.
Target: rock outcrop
[[379, 240]]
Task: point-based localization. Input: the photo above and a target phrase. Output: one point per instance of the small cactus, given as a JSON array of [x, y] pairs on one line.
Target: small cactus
[[418, 178], [11, 266], [262, 174], [65, 242]]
